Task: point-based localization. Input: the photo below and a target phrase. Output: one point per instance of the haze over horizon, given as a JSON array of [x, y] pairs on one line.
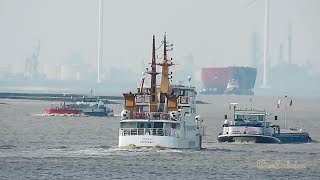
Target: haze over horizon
[[214, 32]]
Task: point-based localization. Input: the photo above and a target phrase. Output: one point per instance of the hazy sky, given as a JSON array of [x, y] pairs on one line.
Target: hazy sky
[[215, 32]]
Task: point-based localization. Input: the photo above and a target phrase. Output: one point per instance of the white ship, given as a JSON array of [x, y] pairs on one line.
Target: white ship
[[249, 125], [161, 116]]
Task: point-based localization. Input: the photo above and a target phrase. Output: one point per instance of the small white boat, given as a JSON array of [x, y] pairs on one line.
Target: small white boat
[[232, 87]]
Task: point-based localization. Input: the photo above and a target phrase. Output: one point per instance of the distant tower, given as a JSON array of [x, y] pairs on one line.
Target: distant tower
[[265, 82], [281, 54], [100, 39], [289, 43], [31, 66], [254, 49]]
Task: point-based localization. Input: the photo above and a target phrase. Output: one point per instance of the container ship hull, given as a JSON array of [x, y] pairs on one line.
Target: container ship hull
[[215, 80], [62, 112]]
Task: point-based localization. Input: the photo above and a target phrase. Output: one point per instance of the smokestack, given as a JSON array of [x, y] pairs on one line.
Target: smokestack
[[100, 38], [289, 43]]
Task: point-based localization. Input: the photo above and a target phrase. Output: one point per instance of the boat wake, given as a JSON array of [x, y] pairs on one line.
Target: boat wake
[[314, 141]]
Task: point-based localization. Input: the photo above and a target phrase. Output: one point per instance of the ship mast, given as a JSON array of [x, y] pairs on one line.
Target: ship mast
[[153, 73], [165, 73]]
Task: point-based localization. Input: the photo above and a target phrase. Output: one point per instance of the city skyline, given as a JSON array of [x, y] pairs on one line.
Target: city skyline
[[215, 33], [206, 29]]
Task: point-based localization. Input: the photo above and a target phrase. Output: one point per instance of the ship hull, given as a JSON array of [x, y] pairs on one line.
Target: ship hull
[[215, 80], [160, 137], [91, 109], [283, 138], [100, 114], [293, 137], [155, 141], [62, 111], [248, 138], [160, 141]]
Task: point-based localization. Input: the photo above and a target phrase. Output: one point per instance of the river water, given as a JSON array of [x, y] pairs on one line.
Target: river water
[[33, 146]]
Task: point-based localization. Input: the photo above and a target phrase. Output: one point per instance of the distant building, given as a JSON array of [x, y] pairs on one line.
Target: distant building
[[31, 64], [70, 72]]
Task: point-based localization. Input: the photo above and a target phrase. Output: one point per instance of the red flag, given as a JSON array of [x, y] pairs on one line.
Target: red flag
[[291, 103], [278, 103]]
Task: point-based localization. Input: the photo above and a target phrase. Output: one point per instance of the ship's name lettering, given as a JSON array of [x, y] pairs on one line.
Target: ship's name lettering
[[146, 140]]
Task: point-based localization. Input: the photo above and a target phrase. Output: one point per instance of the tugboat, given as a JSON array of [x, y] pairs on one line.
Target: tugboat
[[249, 125], [232, 87], [163, 116]]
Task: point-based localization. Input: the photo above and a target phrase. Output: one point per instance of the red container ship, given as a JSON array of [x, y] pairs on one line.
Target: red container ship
[[228, 80]]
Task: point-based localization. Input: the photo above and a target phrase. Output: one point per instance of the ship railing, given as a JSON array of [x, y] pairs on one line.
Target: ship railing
[[148, 131], [151, 115]]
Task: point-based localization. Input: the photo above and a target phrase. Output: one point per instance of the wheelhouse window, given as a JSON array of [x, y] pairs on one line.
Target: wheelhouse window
[[144, 125], [251, 117], [174, 126], [158, 125], [128, 125]]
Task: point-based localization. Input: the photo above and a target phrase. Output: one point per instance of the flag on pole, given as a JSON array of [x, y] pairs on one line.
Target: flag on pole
[[291, 103], [278, 103]]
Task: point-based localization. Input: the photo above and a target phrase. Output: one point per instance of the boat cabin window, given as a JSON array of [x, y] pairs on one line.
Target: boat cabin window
[[143, 108], [144, 125], [187, 109], [170, 125], [158, 125], [186, 92], [128, 125], [174, 126], [183, 92], [250, 117]]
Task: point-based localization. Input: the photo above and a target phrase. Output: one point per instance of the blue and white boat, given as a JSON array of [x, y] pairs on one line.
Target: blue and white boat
[[92, 106], [249, 125]]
